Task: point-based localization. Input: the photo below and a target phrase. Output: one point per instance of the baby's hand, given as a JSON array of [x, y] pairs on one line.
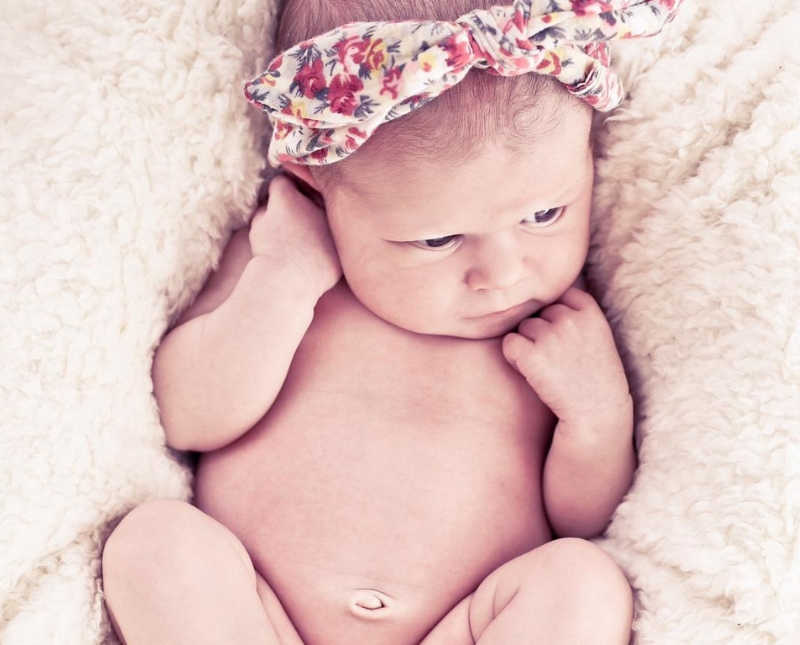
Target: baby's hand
[[568, 357], [293, 231]]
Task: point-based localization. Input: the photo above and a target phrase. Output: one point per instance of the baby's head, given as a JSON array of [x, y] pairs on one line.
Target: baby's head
[[472, 204]]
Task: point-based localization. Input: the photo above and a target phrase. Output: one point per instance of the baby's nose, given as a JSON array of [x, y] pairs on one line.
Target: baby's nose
[[498, 264]]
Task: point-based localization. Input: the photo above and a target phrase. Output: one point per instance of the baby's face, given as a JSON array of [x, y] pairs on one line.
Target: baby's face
[[470, 251]]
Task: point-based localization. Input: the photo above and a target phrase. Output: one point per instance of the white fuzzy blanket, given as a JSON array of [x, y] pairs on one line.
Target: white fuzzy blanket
[[128, 154]]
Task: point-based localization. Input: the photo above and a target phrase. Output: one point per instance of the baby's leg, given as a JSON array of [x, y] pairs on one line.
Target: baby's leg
[[173, 574], [564, 592]]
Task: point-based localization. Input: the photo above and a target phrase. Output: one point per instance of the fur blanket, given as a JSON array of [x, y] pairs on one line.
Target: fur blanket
[[129, 154]]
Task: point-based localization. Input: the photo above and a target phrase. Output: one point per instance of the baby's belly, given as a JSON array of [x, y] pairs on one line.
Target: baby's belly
[[355, 480]]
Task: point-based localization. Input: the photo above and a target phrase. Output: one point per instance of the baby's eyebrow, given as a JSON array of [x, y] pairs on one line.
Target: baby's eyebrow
[[414, 238], [570, 190]]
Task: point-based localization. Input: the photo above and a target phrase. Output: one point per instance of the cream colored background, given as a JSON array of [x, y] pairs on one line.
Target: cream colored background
[[127, 156]]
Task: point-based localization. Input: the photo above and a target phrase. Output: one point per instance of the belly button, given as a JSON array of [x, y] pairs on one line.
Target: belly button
[[369, 603]]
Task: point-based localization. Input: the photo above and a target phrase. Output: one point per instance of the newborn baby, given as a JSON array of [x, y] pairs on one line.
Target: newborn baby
[[401, 390]]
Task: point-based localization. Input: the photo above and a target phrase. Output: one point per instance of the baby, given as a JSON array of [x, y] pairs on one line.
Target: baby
[[410, 411]]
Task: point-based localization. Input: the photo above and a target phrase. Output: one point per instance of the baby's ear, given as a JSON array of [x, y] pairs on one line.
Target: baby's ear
[[304, 187], [304, 180], [302, 173]]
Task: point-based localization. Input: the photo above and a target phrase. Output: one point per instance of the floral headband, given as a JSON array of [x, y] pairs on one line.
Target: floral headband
[[327, 95]]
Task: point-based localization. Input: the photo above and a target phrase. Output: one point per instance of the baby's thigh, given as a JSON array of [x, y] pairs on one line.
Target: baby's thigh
[[287, 634], [564, 591], [168, 560]]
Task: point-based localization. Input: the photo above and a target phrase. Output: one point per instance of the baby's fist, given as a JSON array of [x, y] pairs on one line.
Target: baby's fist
[[569, 358], [293, 231]]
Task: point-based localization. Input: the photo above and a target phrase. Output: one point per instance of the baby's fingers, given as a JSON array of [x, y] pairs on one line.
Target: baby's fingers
[[531, 360], [285, 197], [523, 354], [534, 328]]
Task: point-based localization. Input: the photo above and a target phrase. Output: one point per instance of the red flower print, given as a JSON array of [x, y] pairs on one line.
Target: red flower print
[[520, 62], [551, 58], [311, 79], [598, 51], [341, 93], [282, 130], [458, 51], [275, 64], [583, 7], [352, 48], [319, 154], [525, 45], [479, 52], [352, 134], [518, 20], [390, 81]]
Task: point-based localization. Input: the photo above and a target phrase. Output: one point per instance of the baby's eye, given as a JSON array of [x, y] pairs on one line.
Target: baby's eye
[[436, 242], [544, 218]]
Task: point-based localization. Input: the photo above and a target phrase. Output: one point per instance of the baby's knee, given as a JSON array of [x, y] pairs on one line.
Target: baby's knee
[[167, 536], [591, 582], [582, 560]]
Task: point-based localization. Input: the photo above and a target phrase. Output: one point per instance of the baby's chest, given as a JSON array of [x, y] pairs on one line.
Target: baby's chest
[[381, 433]]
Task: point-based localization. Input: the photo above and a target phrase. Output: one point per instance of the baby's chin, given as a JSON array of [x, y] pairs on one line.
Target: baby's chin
[[495, 325], [442, 323], [482, 328]]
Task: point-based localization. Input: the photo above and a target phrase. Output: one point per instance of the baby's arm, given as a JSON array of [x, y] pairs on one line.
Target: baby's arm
[[569, 358], [219, 370], [587, 472]]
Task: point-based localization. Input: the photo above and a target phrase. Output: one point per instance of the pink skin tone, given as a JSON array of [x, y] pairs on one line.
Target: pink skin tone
[[488, 264], [500, 257], [492, 265]]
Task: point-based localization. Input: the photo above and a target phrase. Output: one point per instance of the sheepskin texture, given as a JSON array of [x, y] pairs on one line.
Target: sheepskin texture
[[129, 155]]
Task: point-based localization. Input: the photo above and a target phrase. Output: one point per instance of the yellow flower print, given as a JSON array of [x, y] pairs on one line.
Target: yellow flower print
[[376, 56], [298, 108], [428, 60]]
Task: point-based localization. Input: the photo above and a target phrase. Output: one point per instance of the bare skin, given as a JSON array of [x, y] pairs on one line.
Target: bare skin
[[374, 462], [401, 476]]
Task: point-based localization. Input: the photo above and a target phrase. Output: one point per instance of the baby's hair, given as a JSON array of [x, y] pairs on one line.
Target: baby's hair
[[482, 108]]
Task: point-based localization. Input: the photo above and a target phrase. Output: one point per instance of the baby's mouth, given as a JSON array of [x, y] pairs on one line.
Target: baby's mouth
[[503, 313]]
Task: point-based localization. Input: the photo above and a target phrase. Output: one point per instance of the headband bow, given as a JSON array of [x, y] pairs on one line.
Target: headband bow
[[325, 96]]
